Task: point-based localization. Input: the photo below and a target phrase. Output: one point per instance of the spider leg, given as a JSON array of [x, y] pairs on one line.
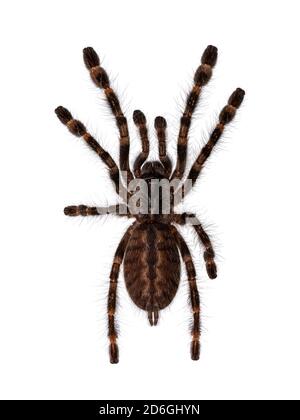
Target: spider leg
[[201, 78], [194, 294], [140, 121], [83, 210], [209, 253], [78, 129], [160, 125], [112, 294], [226, 116], [101, 79]]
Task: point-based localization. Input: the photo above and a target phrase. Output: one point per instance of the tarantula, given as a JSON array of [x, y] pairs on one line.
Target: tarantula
[[152, 240]]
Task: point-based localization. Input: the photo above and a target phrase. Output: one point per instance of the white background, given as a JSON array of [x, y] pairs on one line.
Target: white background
[[54, 270]]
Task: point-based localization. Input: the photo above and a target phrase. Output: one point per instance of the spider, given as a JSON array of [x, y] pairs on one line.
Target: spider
[[152, 239]]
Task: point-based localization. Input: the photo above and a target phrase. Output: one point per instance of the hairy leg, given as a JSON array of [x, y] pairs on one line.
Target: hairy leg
[[194, 294], [209, 254], [101, 80], [226, 116], [201, 78], [83, 210], [78, 129], [160, 125], [112, 294], [141, 123]]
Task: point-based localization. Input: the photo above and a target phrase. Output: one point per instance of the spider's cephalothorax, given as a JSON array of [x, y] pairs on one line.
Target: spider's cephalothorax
[[152, 245]]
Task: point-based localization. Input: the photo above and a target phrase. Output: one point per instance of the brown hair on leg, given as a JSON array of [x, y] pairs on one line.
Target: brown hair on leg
[[226, 116], [101, 80], [112, 294], [160, 125], [209, 254], [83, 210], [194, 294], [78, 129], [141, 123], [201, 78]]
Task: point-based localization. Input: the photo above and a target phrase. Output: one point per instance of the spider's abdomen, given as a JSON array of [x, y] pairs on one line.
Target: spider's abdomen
[[152, 267]]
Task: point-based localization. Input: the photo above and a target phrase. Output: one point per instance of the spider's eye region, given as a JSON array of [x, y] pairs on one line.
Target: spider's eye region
[[153, 170]]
